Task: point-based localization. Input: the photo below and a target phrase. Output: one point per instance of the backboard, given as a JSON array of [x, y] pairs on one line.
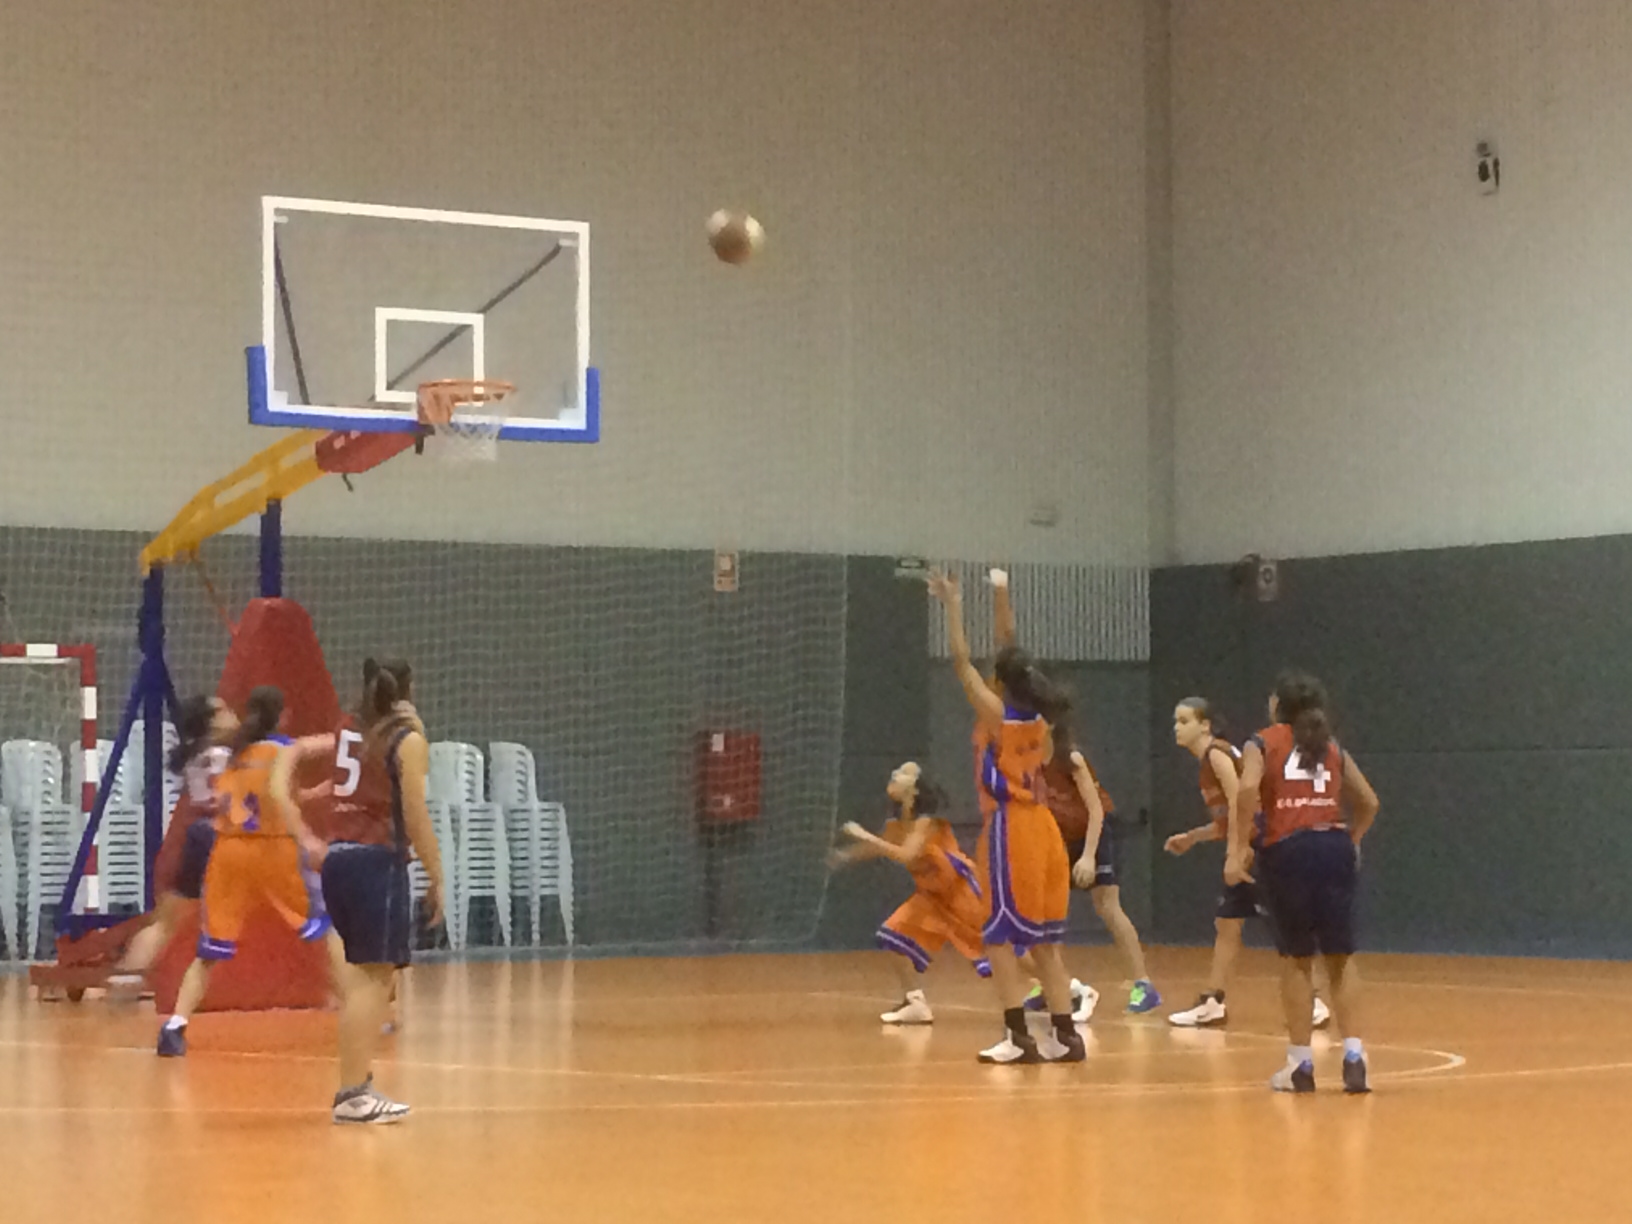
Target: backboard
[[361, 303]]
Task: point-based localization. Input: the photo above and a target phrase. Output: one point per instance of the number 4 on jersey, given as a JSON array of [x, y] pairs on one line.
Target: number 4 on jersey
[[1295, 772]]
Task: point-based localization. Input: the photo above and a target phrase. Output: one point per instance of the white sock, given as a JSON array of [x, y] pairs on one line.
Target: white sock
[[1298, 1055], [915, 996], [176, 1022], [1352, 1049]]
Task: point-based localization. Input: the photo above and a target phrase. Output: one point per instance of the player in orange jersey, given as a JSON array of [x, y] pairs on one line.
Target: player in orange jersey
[[1195, 729], [946, 906], [1311, 806], [1027, 877], [262, 853]]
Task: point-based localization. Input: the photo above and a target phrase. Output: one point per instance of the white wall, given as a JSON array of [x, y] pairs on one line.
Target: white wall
[[1370, 355], [949, 322]]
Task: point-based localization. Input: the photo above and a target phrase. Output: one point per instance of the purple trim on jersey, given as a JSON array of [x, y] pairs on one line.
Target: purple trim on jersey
[[964, 870], [1005, 925], [894, 941], [991, 777]]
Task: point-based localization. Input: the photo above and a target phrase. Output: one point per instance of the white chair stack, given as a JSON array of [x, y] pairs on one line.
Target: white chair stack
[[48, 830], [8, 881], [441, 813], [481, 865], [540, 850], [121, 838]]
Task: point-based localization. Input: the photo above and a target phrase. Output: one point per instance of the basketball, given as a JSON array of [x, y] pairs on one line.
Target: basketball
[[736, 237]]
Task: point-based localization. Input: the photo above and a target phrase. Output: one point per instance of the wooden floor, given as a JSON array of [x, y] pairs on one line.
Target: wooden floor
[[763, 1089]]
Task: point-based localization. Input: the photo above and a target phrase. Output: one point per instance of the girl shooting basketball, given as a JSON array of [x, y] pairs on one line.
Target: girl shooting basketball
[[1027, 875], [946, 907], [1296, 781], [1195, 730]]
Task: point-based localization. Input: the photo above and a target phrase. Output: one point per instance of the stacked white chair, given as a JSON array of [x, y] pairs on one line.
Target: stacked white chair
[[48, 829], [121, 837], [540, 850], [481, 866], [8, 881]]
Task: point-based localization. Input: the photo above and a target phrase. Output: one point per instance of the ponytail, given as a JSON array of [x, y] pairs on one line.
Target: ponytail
[[262, 712], [193, 722], [1026, 687], [1300, 701], [385, 685]]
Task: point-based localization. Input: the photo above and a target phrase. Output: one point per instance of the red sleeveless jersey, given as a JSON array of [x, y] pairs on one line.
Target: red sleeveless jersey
[[1293, 795], [1065, 801], [367, 805], [1212, 794]]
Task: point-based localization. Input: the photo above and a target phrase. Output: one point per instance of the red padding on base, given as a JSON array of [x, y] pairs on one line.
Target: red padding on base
[[274, 644]]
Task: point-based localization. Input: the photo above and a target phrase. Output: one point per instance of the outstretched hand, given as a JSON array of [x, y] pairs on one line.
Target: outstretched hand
[[944, 586]]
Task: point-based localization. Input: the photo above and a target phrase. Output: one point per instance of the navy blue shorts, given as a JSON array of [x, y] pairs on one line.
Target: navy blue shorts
[[1309, 883], [1105, 857], [198, 841], [366, 891], [1239, 901]]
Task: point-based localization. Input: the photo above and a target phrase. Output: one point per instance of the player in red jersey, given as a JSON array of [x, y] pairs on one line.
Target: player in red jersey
[[1195, 729], [379, 813], [1313, 807]]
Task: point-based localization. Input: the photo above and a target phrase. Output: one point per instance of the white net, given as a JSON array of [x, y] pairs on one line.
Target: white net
[[465, 419]]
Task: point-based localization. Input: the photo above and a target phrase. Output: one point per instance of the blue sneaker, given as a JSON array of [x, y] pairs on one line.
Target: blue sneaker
[[172, 1042], [1143, 998], [1354, 1076], [1294, 1077]]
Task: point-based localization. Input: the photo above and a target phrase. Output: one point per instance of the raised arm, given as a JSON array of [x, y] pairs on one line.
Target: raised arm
[[988, 706], [281, 785], [1003, 627]]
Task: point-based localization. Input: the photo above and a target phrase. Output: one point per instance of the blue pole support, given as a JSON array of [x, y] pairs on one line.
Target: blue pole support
[[272, 551], [155, 689]]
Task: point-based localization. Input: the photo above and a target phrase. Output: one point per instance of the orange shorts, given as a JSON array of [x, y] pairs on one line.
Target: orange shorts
[[927, 922], [245, 872], [1028, 876]]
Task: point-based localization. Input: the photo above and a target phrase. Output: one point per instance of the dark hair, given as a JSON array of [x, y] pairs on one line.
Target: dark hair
[[385, 684], [262, 710], [193, 720], [1204, 712], [1026, 687], [928, 799], [1300, 702]]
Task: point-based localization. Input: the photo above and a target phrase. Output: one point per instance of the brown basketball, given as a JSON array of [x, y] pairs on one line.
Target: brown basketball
[[736, 237]]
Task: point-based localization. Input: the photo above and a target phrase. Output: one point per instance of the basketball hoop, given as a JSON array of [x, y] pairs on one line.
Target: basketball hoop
[[462, 427]]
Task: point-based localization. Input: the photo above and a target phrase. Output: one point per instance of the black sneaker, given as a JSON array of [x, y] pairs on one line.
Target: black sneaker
[[173, 1042]]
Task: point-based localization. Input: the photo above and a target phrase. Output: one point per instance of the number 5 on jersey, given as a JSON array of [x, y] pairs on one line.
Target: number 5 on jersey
[[348, 763]]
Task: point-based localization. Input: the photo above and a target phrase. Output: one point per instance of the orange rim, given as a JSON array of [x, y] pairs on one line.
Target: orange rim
[[441, 401]]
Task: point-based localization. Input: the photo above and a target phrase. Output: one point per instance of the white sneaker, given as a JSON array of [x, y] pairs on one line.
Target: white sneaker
[[1208, 1010], [1323, 1014], [1085, 998], [913, 1010], [369, 1106], [1009, 1051], [1294, 1077]]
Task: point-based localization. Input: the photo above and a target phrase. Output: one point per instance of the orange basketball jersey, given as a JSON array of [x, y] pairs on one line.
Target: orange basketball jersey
[[245, 790], [1012, 765]]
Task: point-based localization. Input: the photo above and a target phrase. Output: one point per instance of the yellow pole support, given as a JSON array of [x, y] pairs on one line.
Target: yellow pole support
[[279, 470]]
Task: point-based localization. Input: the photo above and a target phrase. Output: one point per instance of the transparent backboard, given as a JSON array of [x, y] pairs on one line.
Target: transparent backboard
[[361, 303]]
